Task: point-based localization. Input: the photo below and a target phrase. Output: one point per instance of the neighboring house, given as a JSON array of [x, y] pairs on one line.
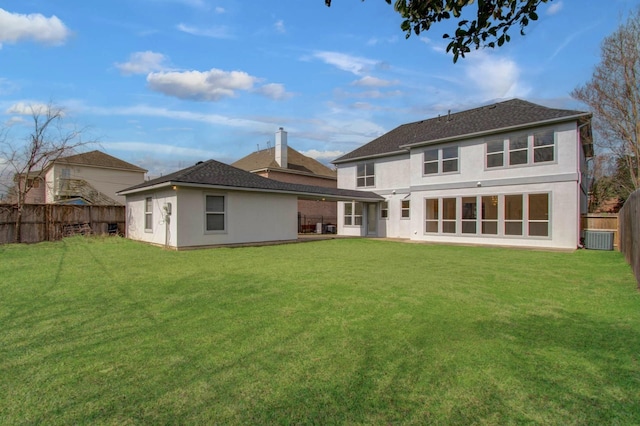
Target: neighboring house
[[89, 178], [509, 174], [212, 204], [285, 164]]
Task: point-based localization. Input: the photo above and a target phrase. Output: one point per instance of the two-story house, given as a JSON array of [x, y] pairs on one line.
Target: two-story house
[[89, 178], [510, 173]]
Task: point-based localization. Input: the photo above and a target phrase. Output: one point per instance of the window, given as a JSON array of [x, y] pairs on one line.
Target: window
[[543, 147], [384, 210], [469, 215], [65, 173], [490, 215], [495, 154], [405, 209], [353, 214], [148, 214], [513, 214], [539, 215], [449, 215], [431, 215], [366, 175], [215, 213], [523, 149], [518, 150], [443, 160]]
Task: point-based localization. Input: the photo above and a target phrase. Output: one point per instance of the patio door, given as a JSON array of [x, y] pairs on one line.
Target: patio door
[[372, 220]]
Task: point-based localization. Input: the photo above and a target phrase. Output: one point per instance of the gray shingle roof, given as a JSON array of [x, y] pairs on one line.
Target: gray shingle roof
[[496, 118], [219, 175], [99, 159]]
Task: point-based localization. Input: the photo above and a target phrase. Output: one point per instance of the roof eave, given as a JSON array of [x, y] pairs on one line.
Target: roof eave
[[499, 130], [367, 157]]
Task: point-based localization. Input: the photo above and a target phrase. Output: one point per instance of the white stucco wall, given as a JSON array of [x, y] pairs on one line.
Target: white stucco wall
[[251, 217], [401, 177], [162, 231]]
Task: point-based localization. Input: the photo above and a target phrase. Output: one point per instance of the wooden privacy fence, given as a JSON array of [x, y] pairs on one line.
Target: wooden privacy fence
[[630, 232], [51, 222]]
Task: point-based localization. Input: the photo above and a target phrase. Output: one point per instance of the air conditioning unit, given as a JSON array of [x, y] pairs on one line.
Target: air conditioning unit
[[598, 240]]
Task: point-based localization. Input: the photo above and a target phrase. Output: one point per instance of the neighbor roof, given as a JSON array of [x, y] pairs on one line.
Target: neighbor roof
[[498, 117], [99, 159], [214, 174], [296, 162]]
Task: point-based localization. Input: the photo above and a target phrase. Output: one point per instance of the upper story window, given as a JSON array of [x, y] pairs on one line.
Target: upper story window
[[441, 160], [521, 149], [366, 175]]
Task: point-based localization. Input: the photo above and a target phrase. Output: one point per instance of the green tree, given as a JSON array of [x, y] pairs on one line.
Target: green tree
[[489, 28], [613, 95]]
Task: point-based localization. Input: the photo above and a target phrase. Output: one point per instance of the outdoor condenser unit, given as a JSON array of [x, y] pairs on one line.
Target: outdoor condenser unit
[[598, 240]]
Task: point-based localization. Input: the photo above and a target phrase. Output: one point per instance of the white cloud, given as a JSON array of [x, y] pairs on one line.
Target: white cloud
[[323, 155], [12, 121], [219, 10], [213, 32], [15, 27], [279, 26], [211, 85], [24, 108], [494, 77], [369, 81], [142, 63], [160, 149], [554, 8], [274, 91], [353, 64]]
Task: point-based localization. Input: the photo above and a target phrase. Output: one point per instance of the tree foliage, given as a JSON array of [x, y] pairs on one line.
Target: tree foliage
[[613, 95], [49, 139], [489, 28]]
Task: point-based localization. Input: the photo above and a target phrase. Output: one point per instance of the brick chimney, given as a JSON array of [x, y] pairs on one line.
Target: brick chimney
[[281, 148]]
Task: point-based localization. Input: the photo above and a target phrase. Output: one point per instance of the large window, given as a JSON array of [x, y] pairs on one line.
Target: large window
[[148, 214], [490, 215], [366, 175], [440, 160], [469, 215], [523, 215], [539, 215], [353, 214], [520, 150], [215, 213]]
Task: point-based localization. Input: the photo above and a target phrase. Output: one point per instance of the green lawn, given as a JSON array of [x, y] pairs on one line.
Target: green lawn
[[109, 331]]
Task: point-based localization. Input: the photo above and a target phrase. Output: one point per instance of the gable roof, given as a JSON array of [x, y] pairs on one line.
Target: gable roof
[[495, 118], [99, 159], [296, 162], [214, 174]]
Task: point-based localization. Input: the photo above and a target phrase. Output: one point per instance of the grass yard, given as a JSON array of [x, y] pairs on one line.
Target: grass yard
[[109, 331]]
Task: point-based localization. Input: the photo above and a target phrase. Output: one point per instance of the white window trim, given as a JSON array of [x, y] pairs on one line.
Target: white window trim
[[403, 209], [501, 221], [365, 176], [225, 212], [353, 214], [441, 160], [530, 151], [384, 207], [148, 214]]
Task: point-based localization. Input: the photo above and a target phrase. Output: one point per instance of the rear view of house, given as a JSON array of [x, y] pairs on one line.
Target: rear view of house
[[511, 173]]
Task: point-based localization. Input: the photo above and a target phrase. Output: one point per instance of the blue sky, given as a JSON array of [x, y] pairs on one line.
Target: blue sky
[[166, 83]]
